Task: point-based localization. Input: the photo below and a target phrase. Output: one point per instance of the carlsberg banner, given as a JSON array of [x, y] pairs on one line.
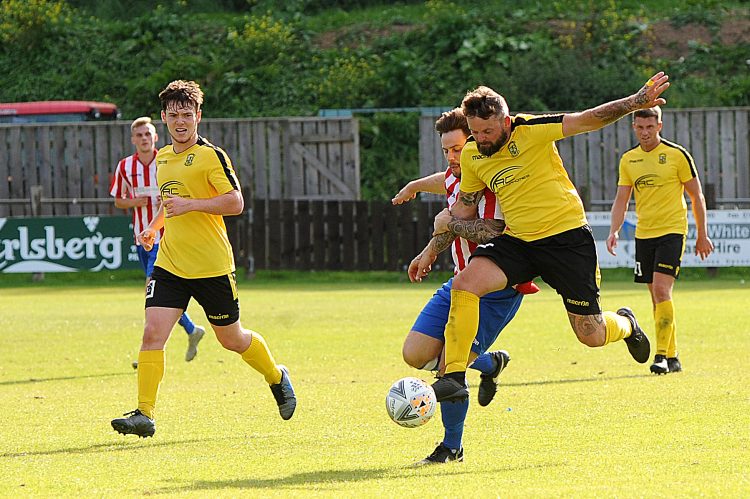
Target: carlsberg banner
[[66, 244]]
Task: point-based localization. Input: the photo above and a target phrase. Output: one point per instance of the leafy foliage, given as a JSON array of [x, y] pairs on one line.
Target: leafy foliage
[[256, 58]]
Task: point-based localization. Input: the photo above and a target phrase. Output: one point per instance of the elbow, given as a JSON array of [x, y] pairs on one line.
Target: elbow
[[239, 204]]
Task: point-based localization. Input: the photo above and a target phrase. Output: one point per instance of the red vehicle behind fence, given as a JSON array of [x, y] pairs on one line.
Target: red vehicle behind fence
[[57, 111]]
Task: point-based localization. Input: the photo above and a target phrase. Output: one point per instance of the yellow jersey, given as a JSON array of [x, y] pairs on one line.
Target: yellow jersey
[[527, 174], [657, 179], [195, 245]]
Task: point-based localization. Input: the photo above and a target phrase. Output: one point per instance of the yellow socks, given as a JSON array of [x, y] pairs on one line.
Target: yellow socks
[[617, 327], [260, 359], [150, 374], [463, 321], [665, 328]]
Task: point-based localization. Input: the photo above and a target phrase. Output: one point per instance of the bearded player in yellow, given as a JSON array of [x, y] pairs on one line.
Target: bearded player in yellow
[[198, 187], [546, 232], [660, 172]]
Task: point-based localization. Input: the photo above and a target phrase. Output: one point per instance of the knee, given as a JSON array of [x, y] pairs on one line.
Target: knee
[[410, 357]]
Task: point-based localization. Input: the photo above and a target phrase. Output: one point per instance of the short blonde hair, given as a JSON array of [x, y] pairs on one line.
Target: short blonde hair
[[143, 120]]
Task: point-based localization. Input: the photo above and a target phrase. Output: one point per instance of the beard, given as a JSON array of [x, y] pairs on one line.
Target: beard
[[491, 148]]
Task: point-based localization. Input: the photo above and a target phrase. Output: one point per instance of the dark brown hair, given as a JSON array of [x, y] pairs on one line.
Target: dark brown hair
[[181, 93], [652, 112], [452, 120], [483, 103]]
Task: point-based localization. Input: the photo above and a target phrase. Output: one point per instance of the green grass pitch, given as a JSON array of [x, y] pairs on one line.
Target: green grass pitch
[[568, 421]]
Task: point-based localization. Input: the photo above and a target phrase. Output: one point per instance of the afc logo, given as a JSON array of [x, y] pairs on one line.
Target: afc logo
[[662, 159], [646, 182], [189, 159], [170, 189], [505, 177], [513, 149]]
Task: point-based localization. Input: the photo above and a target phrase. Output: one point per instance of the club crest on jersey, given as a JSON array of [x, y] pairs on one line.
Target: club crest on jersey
[[513, 148], [189, 159], [662, 159]]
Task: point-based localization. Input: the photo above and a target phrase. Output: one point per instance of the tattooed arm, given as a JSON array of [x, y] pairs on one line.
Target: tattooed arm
[[604, 114]]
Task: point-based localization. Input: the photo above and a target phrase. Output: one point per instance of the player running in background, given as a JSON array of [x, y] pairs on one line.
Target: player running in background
[[134, 187], [198, 187], [661, 172], [547, 233], [423, 346]]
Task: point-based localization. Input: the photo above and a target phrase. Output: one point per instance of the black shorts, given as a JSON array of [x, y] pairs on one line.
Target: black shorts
[[661, 254], [566, 261], [217, 295]]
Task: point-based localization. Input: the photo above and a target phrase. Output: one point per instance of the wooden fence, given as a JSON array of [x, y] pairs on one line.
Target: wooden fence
[[716, 138], [332, 235], [66, 169]]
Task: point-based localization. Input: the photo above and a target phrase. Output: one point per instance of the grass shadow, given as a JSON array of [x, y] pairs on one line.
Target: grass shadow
[[108, 447], [303, 481], [62, 378], [577, 380]]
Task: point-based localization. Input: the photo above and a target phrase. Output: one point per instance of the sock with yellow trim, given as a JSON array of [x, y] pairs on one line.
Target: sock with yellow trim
[[617, 327], [665, 327], [259, 357], [150, 373], [463, 321]]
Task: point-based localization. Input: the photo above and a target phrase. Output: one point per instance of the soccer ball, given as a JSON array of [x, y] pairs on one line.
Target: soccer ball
[[410, 402]]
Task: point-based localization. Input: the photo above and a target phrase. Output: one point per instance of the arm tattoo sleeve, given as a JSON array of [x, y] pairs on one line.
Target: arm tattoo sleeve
[[442, 241], [470, 198], [613, 111], [479, 230]]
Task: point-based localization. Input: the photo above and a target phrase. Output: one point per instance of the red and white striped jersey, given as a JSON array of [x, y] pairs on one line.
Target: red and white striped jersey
[[489, 207], [132, 178]]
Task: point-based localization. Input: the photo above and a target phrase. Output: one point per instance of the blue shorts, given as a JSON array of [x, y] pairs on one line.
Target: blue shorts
[[147, 258], [495, 312]]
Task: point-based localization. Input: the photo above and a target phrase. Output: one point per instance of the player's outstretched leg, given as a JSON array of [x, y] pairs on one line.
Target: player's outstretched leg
[[283, 392], [136, 423], [637, 342], [451, 387], [660, 365], [488, 381], [193, 339]]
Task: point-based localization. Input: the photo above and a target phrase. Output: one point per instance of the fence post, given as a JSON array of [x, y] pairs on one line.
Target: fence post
[[35, 197]]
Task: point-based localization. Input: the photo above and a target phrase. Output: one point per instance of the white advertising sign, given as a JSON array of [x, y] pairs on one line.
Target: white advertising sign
[[728, 229]]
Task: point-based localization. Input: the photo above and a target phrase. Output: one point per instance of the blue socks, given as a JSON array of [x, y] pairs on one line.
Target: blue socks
[[453, 414], [484, 364], [187, 323]]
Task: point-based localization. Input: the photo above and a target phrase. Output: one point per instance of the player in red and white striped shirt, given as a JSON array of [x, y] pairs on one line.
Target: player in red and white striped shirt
[[425, 342], [134, 187]]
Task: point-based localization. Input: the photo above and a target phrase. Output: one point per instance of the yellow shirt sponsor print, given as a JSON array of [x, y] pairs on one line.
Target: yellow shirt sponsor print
[[527, 174], [657, 179], [195, 245]]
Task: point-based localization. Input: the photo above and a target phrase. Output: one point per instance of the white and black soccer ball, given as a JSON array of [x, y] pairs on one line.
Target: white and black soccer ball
[[410, 402]]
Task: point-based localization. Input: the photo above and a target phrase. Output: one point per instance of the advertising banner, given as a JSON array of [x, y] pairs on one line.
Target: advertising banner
[[67, 244], [728, 229]]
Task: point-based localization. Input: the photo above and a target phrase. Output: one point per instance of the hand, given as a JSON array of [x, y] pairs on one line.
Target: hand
[[175, 206], [147, 238], [441, 222], [404, 195], [648, 95], [420, 266], [612, 243], [140, 201], [703, 247]]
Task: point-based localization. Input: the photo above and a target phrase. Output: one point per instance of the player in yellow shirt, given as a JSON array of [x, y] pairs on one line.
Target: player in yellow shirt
[[198, 187], [546, 232], [660, 172]]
